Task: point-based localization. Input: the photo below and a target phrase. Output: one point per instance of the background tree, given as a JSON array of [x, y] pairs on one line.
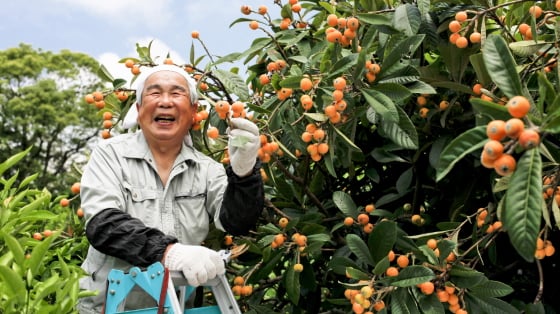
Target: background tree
[[42, 106]]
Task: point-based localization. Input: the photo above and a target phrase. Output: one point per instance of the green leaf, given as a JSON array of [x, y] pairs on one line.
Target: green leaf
[[14, 246], [402, 302], [39, 252], [477, 62], [487, 111], [339, 264], [345, 203], [233, 83], [466, 277], [356, 274], [359, 248], [12, 281], [104, 74], [458, 148], [492, 289], [403, 133], [407, 19], [406, 47], [342, 65], [381, 104], [396, 92], [292, 284], [382, 239], [10, 162], [552, 123], [413, 275], [489, 305], [375, 19], [522, 212], [501, 66], [527, 48], [347, 140]]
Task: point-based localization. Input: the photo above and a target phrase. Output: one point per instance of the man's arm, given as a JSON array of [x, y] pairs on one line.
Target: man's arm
[[116, 233], [243, 201]]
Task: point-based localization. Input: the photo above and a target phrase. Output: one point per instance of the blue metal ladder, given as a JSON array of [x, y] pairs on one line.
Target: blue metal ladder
[[120, 284]]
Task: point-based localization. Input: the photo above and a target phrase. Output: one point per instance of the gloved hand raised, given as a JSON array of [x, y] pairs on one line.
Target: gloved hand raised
[[243, 145], [198, 263]]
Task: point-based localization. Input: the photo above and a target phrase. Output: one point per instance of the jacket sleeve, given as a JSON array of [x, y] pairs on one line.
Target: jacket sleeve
[[116, 233], [243, 202]]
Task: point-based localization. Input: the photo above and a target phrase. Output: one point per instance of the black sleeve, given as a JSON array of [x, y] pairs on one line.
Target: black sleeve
[[116, 233], [243, 201]]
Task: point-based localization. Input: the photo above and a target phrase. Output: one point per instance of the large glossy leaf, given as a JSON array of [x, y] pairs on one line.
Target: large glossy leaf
[[526, 48], [458, 148], [292, 284], [406, 47], [382, 239], [12, 281], [374, 19], [413, 275], [402, 302], [10, 162], [346, 140], [407, 19], [487, 111], [345, 203], [501, 66], [492, 288], [396, 92], [403, 133], [14, 246], [480, 304], [382, 104], [360, 249], [522, 212], [233, 83], [342, 65]]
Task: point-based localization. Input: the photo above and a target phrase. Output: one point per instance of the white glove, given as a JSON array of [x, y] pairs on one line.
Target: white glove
[[198, 263], [243, 145]]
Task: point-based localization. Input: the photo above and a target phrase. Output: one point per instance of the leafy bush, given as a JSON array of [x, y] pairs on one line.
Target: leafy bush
[[42, 244]]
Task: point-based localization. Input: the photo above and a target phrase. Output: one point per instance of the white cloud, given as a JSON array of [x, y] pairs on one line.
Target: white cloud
[[159, 51], [127, 13]]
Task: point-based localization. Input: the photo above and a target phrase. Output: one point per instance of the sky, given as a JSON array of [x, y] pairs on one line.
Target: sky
[[108, 30]]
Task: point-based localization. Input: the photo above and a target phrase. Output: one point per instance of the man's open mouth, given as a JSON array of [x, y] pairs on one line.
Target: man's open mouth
[[165, 119]]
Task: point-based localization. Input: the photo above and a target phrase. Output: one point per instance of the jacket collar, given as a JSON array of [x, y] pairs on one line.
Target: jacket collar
[[138, 148]]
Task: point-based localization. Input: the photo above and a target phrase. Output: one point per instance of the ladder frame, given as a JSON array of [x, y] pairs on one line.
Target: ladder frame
[[120, 283]]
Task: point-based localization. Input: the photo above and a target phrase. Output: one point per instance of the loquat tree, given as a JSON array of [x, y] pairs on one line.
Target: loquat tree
[[393, 104], [397, 178]]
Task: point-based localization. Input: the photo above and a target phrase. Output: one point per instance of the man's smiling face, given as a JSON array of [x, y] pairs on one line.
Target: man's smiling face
[[166, 112]]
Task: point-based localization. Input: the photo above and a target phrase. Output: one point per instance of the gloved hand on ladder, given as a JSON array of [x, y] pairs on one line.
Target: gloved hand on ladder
[[197, 263]]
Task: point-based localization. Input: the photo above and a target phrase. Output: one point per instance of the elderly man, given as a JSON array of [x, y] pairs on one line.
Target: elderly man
[[150, 196]]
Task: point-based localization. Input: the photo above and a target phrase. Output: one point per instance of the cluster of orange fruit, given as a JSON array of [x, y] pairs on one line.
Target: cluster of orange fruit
[[361, 299], [239, 287], [201, 115], [268, 149], [338, 105], [549, 190], [424, 110], [319, 148], [362, 219], [544, 249], [455, 27], [96, 98], [497, 155], [341, 30], [234, 110], [372, 70], [481, 220]]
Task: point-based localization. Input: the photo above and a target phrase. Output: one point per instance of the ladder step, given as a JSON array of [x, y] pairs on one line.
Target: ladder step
[[120, 284]]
